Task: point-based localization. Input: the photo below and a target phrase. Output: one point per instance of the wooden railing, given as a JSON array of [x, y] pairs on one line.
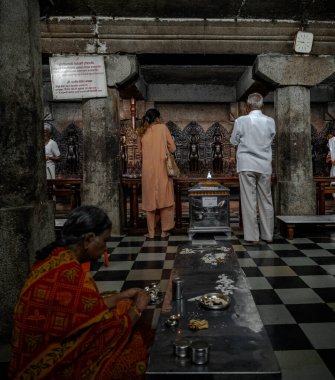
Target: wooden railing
[[68, 189], [323, 187], [181, 186]]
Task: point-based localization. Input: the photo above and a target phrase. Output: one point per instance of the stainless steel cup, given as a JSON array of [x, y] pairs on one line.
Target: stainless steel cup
[[177, 288], [180, 306]]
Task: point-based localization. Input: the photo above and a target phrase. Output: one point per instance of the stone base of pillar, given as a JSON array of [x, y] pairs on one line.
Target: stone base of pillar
[[296, 197], [109, 198], [116, 214], [23, 230]]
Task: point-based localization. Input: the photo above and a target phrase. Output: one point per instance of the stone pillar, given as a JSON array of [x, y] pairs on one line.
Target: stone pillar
[[295, 186], [101, 142], [101, 164], [293, 76], [26, 217]]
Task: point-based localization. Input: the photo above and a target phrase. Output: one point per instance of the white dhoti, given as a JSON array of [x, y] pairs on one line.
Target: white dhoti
[[256, 197]]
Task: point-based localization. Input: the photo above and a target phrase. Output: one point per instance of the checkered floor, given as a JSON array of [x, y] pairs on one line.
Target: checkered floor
[[292, 283]]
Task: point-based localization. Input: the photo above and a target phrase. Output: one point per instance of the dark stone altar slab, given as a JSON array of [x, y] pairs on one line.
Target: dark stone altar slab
[[239, 345]]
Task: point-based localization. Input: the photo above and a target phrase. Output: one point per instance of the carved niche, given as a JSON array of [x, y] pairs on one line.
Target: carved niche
[[320, 149], [70, 146], [197, 150], [130, 157]]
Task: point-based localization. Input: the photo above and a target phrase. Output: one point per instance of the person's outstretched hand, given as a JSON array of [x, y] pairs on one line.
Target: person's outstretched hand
[[130, 293], [142, 299]]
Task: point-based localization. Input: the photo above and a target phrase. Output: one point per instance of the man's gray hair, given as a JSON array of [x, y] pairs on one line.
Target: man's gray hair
[[255, 100], [47, 126]]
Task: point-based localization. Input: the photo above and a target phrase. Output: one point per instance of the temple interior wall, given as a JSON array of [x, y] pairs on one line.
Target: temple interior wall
[[67, 124]]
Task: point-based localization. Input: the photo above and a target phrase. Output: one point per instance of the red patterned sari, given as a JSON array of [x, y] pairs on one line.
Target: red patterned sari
[[63, 329]]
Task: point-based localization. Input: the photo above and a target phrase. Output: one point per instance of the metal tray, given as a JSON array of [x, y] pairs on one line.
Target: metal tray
[[214, 301]]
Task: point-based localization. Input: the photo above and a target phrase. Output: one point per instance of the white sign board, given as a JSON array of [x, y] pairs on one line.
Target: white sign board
[[78, 77], [209, 201]]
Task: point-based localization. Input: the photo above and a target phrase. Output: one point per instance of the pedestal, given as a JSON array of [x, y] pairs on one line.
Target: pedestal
[[209, 208]]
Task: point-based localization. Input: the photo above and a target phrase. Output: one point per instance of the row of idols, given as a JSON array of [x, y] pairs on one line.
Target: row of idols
[[197, 150]]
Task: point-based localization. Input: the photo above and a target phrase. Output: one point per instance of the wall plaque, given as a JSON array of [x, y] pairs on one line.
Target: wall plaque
[[78, 77]]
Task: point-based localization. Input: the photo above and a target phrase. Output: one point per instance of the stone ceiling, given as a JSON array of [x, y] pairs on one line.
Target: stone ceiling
[[223, 68], [301, 10]]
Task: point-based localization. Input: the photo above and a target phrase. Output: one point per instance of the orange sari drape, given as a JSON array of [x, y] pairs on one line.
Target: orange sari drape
[[63, 329]]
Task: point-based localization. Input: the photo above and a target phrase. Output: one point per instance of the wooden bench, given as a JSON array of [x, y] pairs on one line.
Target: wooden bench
[[290, 221]]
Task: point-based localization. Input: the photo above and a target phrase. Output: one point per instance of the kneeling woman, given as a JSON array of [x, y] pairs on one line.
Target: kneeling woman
[[63, 327]]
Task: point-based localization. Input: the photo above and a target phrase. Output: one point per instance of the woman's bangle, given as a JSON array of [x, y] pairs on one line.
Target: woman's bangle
[[137, 311]]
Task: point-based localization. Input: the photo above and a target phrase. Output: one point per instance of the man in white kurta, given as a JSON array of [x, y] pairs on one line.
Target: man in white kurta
[[52, 153], [253, 134]]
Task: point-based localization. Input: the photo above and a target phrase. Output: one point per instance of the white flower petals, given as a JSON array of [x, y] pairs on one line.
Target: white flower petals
[[186, 251], [225, 284]]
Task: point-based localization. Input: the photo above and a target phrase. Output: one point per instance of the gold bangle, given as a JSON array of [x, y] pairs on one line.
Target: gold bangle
[[137, 311]]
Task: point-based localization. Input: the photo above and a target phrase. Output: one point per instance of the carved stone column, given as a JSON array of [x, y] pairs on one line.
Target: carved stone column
[[293, 76]]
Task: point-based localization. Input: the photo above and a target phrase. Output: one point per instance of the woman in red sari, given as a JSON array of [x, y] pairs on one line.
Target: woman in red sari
[[63, 327]]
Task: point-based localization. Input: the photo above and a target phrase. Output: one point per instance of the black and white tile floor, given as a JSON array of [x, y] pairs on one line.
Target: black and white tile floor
[[292, 282]]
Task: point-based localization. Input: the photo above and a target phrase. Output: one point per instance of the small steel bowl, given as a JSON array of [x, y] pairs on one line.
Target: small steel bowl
[[200, 352]]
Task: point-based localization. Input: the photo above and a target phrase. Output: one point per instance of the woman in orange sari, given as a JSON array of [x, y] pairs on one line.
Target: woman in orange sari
[[63, 327]]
